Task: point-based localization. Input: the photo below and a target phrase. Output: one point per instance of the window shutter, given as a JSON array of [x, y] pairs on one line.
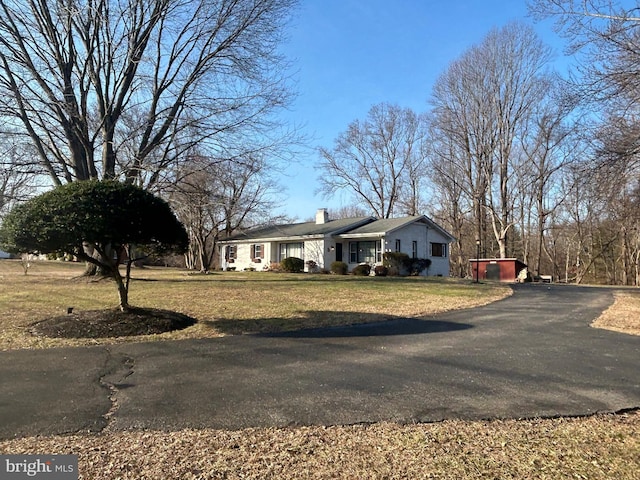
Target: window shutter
[[262, 250], [253, 252]]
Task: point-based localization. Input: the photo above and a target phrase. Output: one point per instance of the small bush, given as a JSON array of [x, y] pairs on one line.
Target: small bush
[[418, 265], [312, 266], [274, 267], [401, 264], [381, 271], [292, 264], [339, 268], [396, 262], [362, 270]]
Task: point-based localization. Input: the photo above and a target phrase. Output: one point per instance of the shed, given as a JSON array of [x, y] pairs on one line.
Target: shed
[[499, 269]]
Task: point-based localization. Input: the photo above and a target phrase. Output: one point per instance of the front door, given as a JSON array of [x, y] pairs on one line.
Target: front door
[[493, 271]]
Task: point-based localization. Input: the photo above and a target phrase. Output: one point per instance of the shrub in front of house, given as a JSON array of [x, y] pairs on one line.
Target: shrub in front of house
[[362, 270], [312, 267], [418, 265], [398, 263], [274, 267], [380, 271], [339, 268], [292, 265]]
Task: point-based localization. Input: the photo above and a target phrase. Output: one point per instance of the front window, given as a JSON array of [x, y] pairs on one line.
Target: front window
[[257, 251], [398, 246], [438, 249], [414, 249], [365, 252], [291, 250]]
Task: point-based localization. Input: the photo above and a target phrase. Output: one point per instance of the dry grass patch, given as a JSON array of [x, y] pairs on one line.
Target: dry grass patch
[[623, 316], [599, 447], [223, 303]]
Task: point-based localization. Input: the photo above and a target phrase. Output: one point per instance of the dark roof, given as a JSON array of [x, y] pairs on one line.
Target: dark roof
[[382, 226], [359, 226], [387, 225], [307, 229]]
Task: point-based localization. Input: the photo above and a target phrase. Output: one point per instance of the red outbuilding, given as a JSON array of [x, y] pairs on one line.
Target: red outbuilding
[[499, 269]]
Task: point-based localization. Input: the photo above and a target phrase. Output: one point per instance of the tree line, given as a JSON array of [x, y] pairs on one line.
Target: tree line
[[181, 97], [513, 159]]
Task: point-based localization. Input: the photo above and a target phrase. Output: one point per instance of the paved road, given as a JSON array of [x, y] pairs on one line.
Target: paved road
[[532, 354]]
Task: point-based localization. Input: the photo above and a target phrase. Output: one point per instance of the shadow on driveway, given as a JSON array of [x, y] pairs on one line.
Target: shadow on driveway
[[398, 326]]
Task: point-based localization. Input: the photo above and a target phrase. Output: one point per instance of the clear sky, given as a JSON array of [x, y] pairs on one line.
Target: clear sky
[[349, 55]]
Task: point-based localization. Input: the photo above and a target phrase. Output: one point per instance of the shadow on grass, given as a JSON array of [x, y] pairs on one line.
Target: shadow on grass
[[322, 324]]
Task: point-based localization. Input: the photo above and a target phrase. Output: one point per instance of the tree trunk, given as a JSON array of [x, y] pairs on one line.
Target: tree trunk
[[123, 289], [91, 269]]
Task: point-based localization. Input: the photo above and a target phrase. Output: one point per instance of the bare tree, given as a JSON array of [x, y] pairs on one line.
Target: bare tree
[[550, 145], [606, 37], [451, 194], [483, 104], [17, 179], [378, 161], [215, 198], [105, 89]]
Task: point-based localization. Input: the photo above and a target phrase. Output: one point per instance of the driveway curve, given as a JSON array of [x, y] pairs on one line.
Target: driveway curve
[[530, 355]]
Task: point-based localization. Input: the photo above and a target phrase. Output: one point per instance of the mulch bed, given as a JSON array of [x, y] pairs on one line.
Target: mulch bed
[[112, 323]]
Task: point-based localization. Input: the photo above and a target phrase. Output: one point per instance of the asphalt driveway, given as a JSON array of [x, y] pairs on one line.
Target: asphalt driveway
[[532, 354]]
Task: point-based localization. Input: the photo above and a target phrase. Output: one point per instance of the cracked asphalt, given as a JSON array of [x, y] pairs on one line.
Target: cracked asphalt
[[532, 354]]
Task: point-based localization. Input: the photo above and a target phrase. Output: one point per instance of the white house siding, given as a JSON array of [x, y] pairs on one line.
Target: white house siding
[[407, 235], [243, 260], [439, 265], [315, 250], [421, 234]]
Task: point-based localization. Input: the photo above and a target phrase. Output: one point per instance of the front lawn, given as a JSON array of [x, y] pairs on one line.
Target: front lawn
[[224, 303]]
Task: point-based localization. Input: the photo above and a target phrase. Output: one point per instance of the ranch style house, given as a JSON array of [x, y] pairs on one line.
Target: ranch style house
[[351, 240]]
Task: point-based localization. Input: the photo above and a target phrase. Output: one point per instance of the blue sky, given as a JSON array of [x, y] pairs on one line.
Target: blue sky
[[349, 55]]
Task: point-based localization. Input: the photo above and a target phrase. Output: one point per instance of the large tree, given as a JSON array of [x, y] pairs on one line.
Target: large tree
[[99, 213], [17, 180], [482, 105], [605, 36], [379, 161], [213, 199], [121, 89]]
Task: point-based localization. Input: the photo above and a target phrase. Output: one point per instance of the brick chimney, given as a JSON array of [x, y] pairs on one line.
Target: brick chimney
[[322, 216]]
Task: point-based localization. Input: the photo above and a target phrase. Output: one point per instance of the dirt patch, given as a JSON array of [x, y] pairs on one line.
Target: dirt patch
[[112, 323]]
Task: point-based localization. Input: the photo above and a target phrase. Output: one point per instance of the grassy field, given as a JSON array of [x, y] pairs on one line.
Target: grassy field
[[596, 447], [224, 303]]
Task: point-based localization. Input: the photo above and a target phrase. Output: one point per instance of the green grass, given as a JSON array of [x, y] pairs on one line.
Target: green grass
[[225, 303]]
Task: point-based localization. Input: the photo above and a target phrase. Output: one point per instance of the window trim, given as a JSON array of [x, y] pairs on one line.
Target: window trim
[[257, 252], [355, 251], [442, 247]]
